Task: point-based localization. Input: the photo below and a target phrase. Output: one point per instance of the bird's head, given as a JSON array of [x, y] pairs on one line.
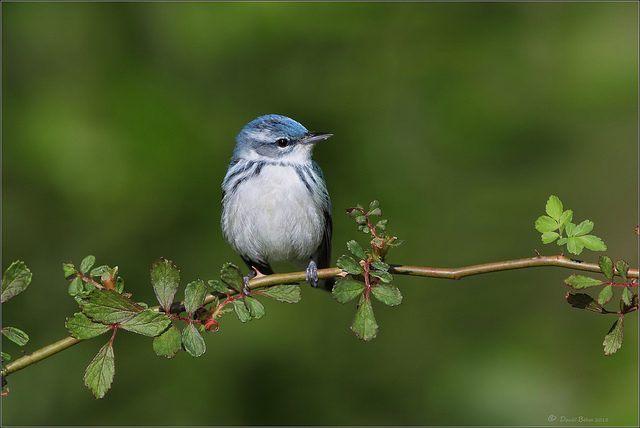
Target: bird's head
[[276, 137]]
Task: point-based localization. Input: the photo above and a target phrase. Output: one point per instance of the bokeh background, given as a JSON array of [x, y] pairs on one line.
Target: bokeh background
[[461, 118]]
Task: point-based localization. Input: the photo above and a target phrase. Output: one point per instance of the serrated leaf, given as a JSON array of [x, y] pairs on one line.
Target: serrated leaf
[[193, 341], [570, 229], [374, 204], [15, 335], [613, 339], [232, 276], [583, 228], [241, 310], [356, 250], [549, 237], [87, 263], [168, 343], [385, 277], [375, 212], [217, 286], [554, 207], [256, 309], [388, 294], [194, 295], [81, 327], [99, 270], [100, 371], [76, 286], [288, 293], [364, 323], [360, 219], [382, 224], [15, 280], [148, 323], [165, 278], [380, 265], [605, 294], [627, 296], [69, 270], [592, 242], [623, 268], [565, 218], [580, 282], [347, 289], [583, 301], [575, 245], [349, 265], [606, 264], [109, 307], [546, 224]]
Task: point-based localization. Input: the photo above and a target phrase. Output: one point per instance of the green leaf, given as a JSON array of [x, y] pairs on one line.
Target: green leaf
[[373, 205], [554, 207], [356, 250], [549, 237], [15, 335], [81, 327], [5, 357], [361, 220], [565, 218], [69, 270], [364, 323], [570, 228], [613, 339], [87, 263], [193, 341], [101, 370], [385, 277], [148, 323], [256, 309], [349, 265], [388, 294], [606, 264], [592, 242], [119, 285], [380, 265], [241, 310], [165, 278], [584, 301], [580, 282], [232, 276], [583, 228], [109, 307], [382, 224], [575, 245], [627, 296], [194, 296], [288, 293], [216, 286], [15, 280], [99, 270], [76, 286], [347, 289], [375, 212], [546, 224], [168, 343], [623, 268], [605, 294]]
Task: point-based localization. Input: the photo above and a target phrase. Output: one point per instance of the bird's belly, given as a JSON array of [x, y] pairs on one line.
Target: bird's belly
[[277, 219]]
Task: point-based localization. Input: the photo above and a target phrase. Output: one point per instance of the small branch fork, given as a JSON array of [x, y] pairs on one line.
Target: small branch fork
[[448, 273]]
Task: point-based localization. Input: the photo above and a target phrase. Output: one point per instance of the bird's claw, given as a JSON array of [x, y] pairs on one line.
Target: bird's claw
[[312, 274]]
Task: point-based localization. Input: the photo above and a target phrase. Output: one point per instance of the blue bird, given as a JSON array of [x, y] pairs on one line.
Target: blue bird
[[275, 203]]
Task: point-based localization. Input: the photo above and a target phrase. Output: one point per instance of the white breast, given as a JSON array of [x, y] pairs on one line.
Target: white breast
[[273, 217]]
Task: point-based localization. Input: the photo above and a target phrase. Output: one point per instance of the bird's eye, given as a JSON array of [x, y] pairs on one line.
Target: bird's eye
[[282, 142]]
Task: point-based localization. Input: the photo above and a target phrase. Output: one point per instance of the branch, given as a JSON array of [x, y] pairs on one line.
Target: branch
[[275, 279]]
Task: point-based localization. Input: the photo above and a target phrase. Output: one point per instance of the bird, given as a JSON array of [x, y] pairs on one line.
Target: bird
[[275, 202]]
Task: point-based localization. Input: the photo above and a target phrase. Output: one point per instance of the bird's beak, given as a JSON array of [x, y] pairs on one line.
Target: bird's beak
[[314, 137]]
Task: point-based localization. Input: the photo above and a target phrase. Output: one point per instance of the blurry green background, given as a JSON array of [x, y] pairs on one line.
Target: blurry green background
[[461, 118]]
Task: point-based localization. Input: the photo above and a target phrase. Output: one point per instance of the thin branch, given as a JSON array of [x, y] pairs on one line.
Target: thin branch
[[265, 281]]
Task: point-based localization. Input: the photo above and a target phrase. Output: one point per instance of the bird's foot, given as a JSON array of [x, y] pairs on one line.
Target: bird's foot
[[246, 288], [312, 274]]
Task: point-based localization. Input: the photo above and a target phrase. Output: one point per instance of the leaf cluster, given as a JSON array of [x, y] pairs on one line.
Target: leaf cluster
[[366, 272], [557, 225], [15, 279], [628, 300]]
